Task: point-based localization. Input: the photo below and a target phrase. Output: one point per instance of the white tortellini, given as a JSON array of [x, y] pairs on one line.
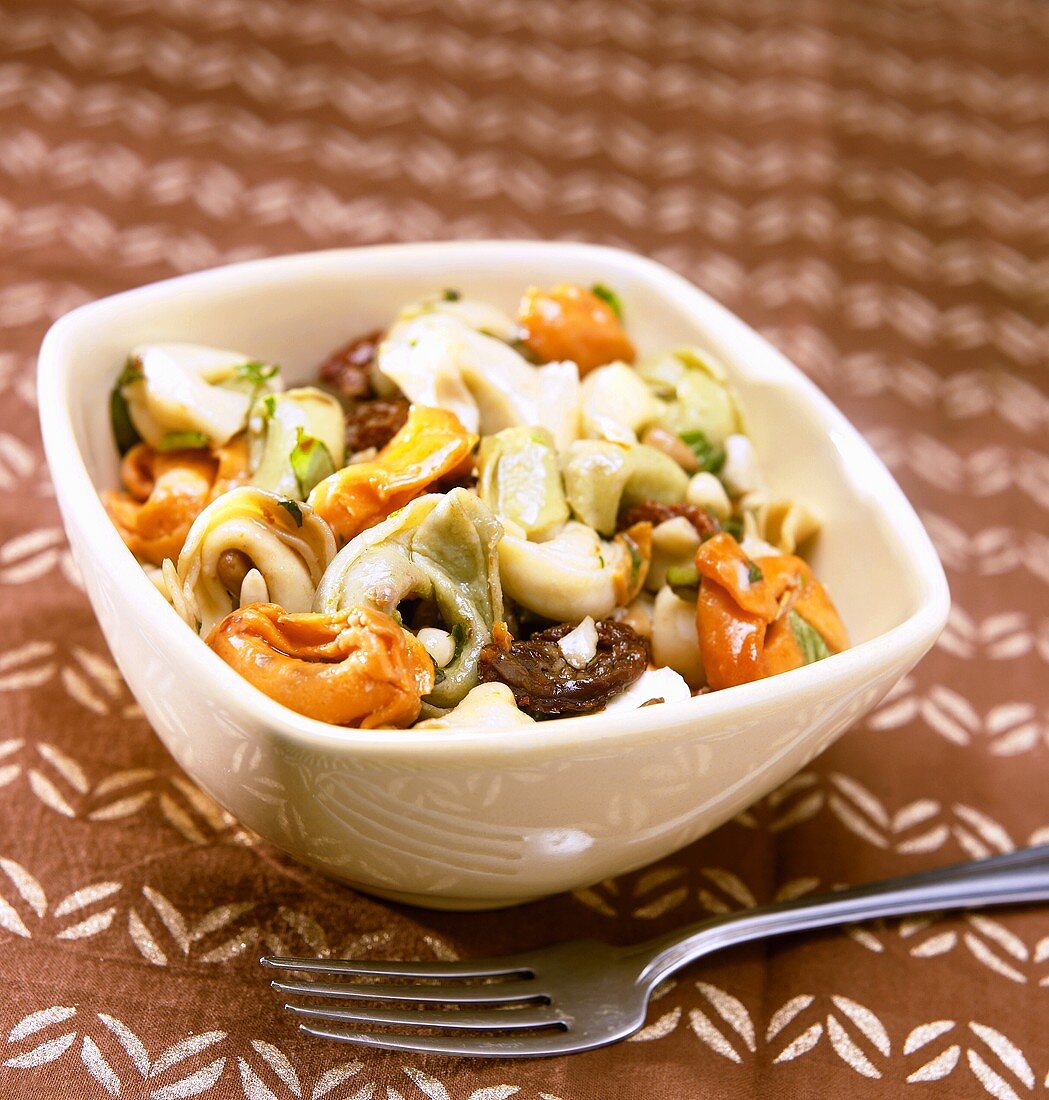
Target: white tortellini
[[440, 547], [692, 393], [782, 525], [479, 315], [243, 530], [189, 395], [675, 638], [616, 404], [297, 439], [487, 706], [437, 359], [566, 578]]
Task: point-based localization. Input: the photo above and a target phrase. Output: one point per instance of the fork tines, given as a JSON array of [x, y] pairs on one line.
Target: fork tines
[[458, 996]]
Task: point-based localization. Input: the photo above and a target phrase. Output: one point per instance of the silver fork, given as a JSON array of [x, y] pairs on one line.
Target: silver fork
[[584, 994]]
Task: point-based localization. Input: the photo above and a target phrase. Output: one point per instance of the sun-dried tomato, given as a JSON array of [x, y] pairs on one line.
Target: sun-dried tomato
[[656, 513], [544, 683], [374, 423], [347, 370]]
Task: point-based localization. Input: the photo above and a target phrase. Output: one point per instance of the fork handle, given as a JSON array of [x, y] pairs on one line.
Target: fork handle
[[1020, 876]]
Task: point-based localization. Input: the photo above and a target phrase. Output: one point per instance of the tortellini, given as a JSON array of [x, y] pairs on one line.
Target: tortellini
[[189, 395], [572, 575], [526, 518], [354, 668], [487, 705], [243, 530], [479, 315], [616, 404], [675, 639], [519, 479], [784, 525], [440, 548], [431, 444], [436, 359], [165, 491], [693, 393], [297, 439], [602, 479]]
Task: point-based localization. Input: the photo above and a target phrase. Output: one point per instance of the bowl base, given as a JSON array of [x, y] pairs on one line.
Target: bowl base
[[438, 901]]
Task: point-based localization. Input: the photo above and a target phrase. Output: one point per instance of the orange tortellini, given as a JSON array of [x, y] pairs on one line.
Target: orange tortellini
[[165, 491], [756, 618], [352, 668], [430, 446], [570, 322]]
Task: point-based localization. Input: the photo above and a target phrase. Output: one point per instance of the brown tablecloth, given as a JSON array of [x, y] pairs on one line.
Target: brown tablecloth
[[866, 183]]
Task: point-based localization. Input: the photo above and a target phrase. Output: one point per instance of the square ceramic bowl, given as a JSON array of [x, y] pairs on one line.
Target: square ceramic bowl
[[469, 818]]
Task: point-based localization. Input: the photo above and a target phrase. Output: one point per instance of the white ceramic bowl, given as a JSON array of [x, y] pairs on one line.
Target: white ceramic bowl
[[477, 819]]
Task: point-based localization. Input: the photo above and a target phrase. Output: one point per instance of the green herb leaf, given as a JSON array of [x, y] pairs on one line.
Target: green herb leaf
[[293, 510], [311, 461], [269, 406], [754, 573], [451, 295], [683, 576], [734, 527], [256, 372], [125, 434], [132, 372], [458, 633], [710, 457], [183, 441], [609, 297], [810, 642]]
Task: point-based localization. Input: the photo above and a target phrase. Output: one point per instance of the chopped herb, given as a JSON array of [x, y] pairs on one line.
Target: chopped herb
[[810, 642], [609, 297], [183, 441], [293, 510], [683, 576], [525, 350], [269, 406], [733, 527], [637, 559], [132, 372], [413, 342], [311, 461], [451, 295], [754, 573], [710, 457], [125, 435], [256, 372], [396, 616]]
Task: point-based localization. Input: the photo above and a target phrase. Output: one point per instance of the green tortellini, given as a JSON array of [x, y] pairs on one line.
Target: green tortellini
[[692, 394], [297, 439], [602, 478], [440, 547], [519, 479]]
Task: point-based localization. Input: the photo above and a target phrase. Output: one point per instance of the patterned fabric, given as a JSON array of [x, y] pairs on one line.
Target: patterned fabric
[[866, 182]]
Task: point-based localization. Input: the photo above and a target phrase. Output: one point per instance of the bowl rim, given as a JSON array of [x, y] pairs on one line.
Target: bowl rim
[[83, 511]]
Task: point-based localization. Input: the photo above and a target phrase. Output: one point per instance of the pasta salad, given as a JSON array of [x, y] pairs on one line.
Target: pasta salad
[[472, 519]]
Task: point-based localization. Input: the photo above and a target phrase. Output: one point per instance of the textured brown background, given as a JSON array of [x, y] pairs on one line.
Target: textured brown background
[[866, 183]]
